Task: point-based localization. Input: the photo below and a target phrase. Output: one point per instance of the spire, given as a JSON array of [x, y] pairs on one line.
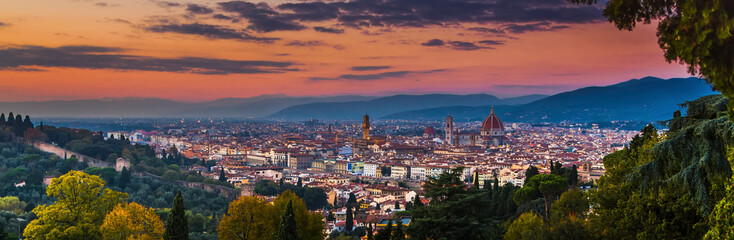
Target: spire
[[492, 112]]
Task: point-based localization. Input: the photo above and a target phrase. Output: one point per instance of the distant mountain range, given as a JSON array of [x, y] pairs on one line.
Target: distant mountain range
[[646, 99], [384, 106], [255, 107]]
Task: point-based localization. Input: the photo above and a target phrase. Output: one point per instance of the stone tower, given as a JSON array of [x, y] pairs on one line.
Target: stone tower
[[450, 130], [366, 127]]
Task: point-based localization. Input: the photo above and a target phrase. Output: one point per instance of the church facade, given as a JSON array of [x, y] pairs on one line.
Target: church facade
[[492, 133]]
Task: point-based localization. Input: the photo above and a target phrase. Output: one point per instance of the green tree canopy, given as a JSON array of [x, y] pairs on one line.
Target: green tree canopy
[[82, 202], [546, 186]]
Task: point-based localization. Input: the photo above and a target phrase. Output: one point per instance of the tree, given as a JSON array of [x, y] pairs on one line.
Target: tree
[[310, 225], [349, 220], [697, 33], [300, 182], [222, 176], [124, 178], [529, 226], [177, 226], [27, 123], [455, 211], [2, 119], [352, 200], [370, 232], [132, 221], [530, 172], [385, 233], [546, 186], [245, 219], [475, 180], [398, 234], [397, 205], [722, 219], [288, 229], [82, 202]]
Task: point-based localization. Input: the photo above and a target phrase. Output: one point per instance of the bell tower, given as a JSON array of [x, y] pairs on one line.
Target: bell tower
[[450, 130], [366, 127]]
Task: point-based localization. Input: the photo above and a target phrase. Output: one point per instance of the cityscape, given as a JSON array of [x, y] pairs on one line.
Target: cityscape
[[366, 120]]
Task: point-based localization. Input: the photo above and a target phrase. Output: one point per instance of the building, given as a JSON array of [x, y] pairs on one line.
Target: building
[[430, 132], [492, 133], [300, 161], [362, 145]]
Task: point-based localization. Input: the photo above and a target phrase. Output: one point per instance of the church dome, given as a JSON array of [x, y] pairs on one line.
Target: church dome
[[429, 131], [492, 124]]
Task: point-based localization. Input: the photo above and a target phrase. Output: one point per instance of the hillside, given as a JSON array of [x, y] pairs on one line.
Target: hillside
[[647, 99], [384, 106], [255, 107]]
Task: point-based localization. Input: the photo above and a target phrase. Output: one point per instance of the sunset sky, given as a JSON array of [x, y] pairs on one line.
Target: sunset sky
[[205, 50]]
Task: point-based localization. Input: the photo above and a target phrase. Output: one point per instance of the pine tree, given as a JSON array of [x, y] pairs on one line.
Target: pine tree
[[124, 178], [530, 172], [370, 233], [287, 229], [177, 226], [222, 176], [398, 234], [417, 202], [350, 220]]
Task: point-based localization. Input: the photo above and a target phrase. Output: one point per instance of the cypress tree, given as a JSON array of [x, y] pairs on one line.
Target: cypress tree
[[398, 234], [222, 176], [352, 201], [397, 205], [350, 219], [475, 180], [2, 119], [287, 229], [370, 233], [388, 228], [124, 178], [18, 121], [300, 183], [27, 123], [11, 119], [177, 226]]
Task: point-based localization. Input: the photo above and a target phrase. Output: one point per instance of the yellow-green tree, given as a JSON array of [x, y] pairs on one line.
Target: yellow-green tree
[[246, 218], [81, 206], [12, 204], [527, 226], [132, 221], [309, 225], [253, 218]]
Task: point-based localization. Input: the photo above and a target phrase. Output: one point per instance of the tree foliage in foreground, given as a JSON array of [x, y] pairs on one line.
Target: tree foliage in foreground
[[665, 187], [81, 206], [458, 212], [253, 218], [132, 221]]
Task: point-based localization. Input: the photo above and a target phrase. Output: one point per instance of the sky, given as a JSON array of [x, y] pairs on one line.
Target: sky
[[205, 50]]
